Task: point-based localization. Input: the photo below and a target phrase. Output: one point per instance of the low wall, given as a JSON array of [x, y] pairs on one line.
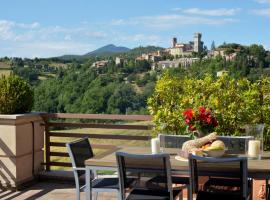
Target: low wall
[[21, 148]]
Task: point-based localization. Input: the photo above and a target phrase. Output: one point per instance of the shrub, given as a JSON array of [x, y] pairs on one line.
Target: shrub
[[235, 103], [16, 95]]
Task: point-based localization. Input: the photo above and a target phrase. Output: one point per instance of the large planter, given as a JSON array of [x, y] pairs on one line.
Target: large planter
[[21, 148]]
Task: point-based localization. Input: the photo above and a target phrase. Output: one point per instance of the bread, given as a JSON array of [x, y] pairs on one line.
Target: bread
[[194, 145]]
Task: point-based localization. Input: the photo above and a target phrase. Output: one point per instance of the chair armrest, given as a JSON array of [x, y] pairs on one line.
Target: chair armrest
[[83, 169], [78, 168]]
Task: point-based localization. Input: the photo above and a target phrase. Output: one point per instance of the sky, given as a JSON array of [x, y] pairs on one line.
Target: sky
[[48, 28]]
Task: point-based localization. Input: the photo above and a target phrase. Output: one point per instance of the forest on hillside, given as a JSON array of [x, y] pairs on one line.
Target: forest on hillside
[[75, 86]]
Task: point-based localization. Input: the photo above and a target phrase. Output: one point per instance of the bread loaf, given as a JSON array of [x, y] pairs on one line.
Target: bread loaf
[[193, 145]]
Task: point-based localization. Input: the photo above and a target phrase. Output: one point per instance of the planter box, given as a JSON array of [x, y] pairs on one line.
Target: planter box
[[21, 148]]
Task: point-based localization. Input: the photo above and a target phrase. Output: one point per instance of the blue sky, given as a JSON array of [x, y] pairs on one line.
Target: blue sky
[[45, 28]]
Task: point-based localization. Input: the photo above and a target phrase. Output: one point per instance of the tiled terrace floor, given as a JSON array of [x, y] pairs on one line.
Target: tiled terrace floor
[[51, 190]]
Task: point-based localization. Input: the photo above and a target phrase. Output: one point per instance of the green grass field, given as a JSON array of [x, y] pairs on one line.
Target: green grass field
[[4, 65], [100, 141], [5, 72]]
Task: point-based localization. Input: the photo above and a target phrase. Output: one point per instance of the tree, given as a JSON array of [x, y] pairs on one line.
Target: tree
[[123, 97], [213, 46], [258, 53]]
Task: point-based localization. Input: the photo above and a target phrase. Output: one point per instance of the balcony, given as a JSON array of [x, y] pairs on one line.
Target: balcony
[[50, 176]]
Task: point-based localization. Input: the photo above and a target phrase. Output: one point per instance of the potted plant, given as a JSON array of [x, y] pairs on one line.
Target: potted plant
[[21, 133], [200, 121]]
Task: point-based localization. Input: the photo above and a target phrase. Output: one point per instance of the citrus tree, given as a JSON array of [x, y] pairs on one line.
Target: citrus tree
[[234, 103]]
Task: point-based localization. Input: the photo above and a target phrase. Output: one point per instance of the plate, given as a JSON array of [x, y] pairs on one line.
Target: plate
[[179, 158], [215, 153]]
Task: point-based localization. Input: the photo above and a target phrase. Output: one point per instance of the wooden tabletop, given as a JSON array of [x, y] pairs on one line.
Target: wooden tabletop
[[256, 168]]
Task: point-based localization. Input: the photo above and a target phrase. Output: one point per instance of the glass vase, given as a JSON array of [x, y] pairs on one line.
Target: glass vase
[[255, 144]]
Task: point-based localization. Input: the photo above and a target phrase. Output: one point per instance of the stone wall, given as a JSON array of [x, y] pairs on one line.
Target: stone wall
[[21, 146]]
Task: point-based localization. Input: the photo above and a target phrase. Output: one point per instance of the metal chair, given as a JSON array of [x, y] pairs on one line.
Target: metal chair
[[236, 144], [149, 165], [172, 141], [234, 170], [79, 151]]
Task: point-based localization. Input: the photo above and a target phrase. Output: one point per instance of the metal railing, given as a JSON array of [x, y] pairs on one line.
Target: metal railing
[[51, 123]]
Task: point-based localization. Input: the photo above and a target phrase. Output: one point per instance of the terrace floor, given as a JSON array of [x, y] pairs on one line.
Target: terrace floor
[[49, 190], [52, 190]]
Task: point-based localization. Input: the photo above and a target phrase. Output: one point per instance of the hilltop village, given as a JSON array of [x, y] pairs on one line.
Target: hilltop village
[[178, 55]]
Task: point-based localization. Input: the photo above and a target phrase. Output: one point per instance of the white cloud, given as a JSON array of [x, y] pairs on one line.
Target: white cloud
[[138, 39], [9, 30], [6, 30], [32, 39], [95, 34], [263, 1], [67, 37], [209, 12], [48, 49], [262, 12], [116, 22], [171, 21], [28, 26]]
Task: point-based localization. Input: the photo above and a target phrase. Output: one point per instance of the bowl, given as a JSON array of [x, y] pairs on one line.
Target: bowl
[[214, 153]]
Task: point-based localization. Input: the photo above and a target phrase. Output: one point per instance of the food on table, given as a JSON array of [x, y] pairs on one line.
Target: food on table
[[198, 153], [218, 144], [207, 145], [193, 145]]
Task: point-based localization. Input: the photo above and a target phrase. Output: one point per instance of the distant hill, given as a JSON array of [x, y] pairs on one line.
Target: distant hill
[[112, 50], [140, 50], [108, 49]]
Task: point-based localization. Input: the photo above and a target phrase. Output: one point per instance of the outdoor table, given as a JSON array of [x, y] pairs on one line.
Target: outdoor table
[[259, 169]]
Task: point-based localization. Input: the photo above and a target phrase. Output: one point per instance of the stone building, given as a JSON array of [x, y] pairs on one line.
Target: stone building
[[119, 61], [186, 49]]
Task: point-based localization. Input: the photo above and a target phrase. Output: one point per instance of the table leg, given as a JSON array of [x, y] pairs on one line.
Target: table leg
[[88, 183], [267, 192]]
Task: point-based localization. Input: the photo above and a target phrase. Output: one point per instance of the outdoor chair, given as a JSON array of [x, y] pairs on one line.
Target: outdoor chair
[[230, 173], [234, 144], [173, 141], [79, 151], [146, 167]]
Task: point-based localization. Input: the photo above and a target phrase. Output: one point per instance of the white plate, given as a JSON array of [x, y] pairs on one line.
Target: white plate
[[179, 158]]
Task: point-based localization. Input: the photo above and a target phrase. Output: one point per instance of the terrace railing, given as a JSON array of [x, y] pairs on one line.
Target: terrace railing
[[56, 124]]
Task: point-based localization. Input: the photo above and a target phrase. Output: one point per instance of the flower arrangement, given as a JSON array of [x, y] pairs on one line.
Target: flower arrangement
[[201, 120]]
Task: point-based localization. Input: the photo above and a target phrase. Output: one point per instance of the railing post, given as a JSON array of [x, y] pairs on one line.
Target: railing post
[[47, 147]]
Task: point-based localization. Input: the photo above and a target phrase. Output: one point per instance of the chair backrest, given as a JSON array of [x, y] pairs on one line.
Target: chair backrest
[[149, 164], [79, 151], [172, 141], [235, 167], [236, 145]]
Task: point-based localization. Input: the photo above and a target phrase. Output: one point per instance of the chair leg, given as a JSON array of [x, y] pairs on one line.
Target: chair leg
[[189, 193], [77, 186], [78, 193], [119, 195], [95, 195]]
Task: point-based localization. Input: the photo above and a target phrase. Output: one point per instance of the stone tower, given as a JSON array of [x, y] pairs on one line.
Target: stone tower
[[174, 42], [198, 44]]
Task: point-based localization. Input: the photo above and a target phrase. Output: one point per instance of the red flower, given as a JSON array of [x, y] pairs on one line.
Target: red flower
[[187, 121], [202, 110], [191, 128], [209, 120], [201, 119], [188, 113]]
